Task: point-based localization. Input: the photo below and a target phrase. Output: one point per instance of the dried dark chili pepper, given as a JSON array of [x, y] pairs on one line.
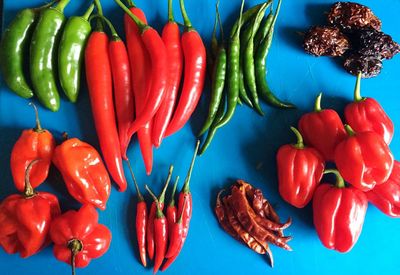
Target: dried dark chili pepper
[[368, 66], [325, 41], [375, 43]]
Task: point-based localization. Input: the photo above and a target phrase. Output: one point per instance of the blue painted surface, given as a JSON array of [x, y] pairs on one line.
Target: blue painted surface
[[245, 149]]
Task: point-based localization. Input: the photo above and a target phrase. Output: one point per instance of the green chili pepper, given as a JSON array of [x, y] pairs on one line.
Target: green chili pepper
[[260, 66], [214, 40], [242, 88], [14, 47], [263, 30], [71, 51], [43, 55]]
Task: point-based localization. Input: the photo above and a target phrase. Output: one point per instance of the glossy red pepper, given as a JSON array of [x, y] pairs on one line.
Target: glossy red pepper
[[25, 219], [366, 114], [175, 236], [339, 213], [36, 143], [172, 210], [386, 196], [78, 237], [300, 170], [322, 129], [363, 159], [83, 171]]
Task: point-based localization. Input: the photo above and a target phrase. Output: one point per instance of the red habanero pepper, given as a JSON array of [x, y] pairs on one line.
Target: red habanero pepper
[[171, 209], [195, 64], [175, 236], [386, 196], [25, 219], [363, 159], [322, 129], [171, 38], [78, 237], [36, 143], [366, 114], [300, 170], [339, 213], [83, 171]]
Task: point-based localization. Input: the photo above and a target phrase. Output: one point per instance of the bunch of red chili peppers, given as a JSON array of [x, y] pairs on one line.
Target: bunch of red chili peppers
[[366, 169]]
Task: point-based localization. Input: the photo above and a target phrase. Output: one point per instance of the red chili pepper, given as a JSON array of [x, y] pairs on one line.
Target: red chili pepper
[[175, 236], [339, 213], [386, 196], [185, 204], [300, 170], [322, 129], [83, 171], [36, 143], [366, 114], [25, 219], [363, 159], [195, 64], [78, 237], [171, 38], [171, 209], [99, 80]]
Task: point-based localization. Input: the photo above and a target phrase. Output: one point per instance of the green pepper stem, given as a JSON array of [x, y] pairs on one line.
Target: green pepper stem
[[339, 179], [181, 215], [88, 12], [317, 104], [161, 198], [300, 141], [114, 34], [357, 89], [139, 194], [29, 192], [159, 213], [130, 3], [349, 130], [171, 17], [221, 28], [237, 32], [61, 5], [186, 187], [38, 128], [45, 6], [75, 246], [99, 26], [172, 200], [186, 19], [142, 26]]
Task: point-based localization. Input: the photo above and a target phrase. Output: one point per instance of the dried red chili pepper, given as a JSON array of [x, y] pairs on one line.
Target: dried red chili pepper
[[36, 143], [25, 219], [223, 220], [364, 159]]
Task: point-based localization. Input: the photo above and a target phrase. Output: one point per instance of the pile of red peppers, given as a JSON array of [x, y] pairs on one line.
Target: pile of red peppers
[[365, 168]]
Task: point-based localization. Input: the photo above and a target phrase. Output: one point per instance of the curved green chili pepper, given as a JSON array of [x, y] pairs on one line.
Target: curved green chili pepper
[[71, 51], [43, 55], [242, 88], [263, 30]]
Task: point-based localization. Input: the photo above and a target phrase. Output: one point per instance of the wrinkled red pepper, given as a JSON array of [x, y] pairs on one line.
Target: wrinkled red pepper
[[300, 170], [363, 159], [339, 213], [83, 171]]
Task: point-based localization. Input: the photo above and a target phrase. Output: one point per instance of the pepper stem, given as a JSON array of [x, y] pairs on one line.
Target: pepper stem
[[139, 194], [161, 198], [61, 5], [181, 215], [114, 33], [221, 28], [172, 200], [214, 40], [29, 192], [45, 6], [75, 246], [186, 187], [99, 26], [142, 26], [159, 213], [357, 89], [88, 12], [339, 179], [186, 19], [317, 104], [170, 12], [38, 127], [300, 141], [349, 130], [237, 32], [130, 3]]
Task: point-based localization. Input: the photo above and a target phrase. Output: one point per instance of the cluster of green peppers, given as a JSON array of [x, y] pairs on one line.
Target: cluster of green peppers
[[52, 46]]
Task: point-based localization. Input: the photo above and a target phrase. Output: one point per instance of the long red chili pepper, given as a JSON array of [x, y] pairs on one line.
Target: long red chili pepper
[[171, 209], [175, 236], [194, 54], [99, 80], [172, 41]]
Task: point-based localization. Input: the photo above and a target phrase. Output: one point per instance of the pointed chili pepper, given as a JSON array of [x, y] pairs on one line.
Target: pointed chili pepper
[[366, 114], [172, 210], [78, 237], [176, 235], [25, 219], [300, 170], [83, 171], [36, 143], [363, 159], [386, 196], [322, 129], [339, 213]]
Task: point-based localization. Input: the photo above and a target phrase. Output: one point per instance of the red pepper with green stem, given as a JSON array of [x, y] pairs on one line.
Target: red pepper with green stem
[[171, 209], [175, 236]]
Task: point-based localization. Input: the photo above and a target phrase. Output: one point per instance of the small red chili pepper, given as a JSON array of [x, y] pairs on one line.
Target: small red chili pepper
[[171, 209], [386, 196], [78, 237], [36, 143], [339, 213], [322, 129], [364, 159], [25, 219], [195, 64], [300, 170], [83, 171], [175, 236], [366, 114]]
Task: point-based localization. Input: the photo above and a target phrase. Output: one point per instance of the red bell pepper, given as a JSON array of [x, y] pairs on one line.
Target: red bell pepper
[[83, 171], [363, 159], [300, 170], [386, 196], [78, 237], [366, 114], [322, 129], [339, 213], [25, 219]]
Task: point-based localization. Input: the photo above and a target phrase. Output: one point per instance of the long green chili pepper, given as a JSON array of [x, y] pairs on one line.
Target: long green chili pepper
[[260, 67], [14, 47], [71, 53], [43, 55], [242, 89], [214, 40], [263, 30]]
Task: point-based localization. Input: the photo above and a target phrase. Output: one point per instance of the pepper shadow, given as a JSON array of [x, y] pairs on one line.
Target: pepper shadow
[[293, 36], [317, 13], [215, 189]]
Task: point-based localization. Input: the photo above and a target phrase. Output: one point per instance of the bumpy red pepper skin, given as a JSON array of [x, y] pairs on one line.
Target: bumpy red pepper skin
[[81, 225], [83, 171], [386, 196], [338, 215]]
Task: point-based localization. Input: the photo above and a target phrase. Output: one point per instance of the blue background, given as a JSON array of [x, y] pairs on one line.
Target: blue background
[[245, 149]]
